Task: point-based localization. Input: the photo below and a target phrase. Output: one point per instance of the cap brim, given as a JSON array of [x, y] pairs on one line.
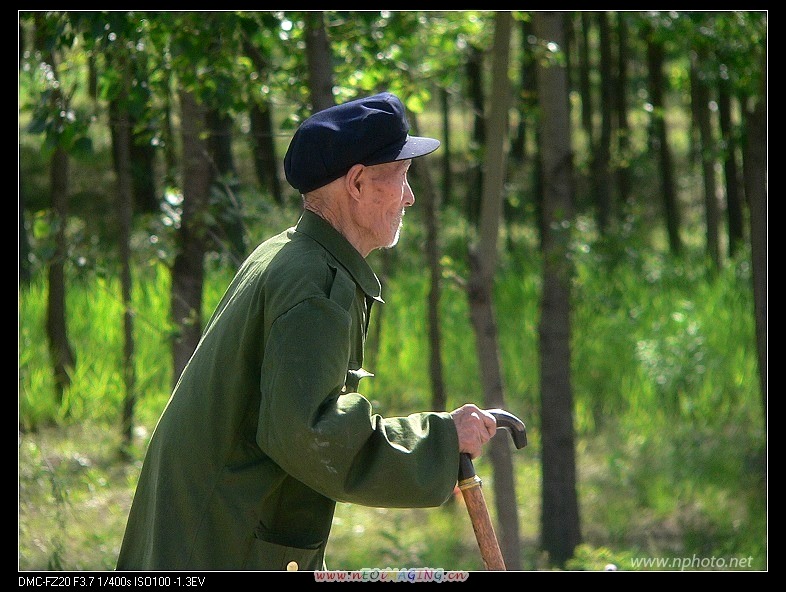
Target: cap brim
[[417, 146]]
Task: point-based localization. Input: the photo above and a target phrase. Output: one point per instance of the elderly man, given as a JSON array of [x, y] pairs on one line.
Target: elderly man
[[265, 430]]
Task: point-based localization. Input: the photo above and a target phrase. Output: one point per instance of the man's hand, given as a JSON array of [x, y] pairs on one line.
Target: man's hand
[[475, 427]]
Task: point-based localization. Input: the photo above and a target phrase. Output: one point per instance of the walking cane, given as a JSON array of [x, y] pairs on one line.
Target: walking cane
[[470, 485]]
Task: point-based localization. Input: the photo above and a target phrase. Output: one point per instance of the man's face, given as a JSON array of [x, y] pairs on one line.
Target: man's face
[[384, 199]]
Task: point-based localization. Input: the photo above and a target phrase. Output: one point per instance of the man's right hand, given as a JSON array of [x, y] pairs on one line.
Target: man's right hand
[[475, 427]]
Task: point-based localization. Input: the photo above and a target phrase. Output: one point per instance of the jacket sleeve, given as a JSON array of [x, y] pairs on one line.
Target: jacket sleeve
[[330, 439]]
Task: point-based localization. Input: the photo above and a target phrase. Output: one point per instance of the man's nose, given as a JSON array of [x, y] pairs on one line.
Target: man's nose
[[409, 196]]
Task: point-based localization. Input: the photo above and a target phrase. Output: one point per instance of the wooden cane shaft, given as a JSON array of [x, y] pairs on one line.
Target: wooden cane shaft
[[484, 530]]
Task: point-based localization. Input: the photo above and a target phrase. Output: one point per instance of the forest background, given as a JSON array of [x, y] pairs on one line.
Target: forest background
[[587, 250]]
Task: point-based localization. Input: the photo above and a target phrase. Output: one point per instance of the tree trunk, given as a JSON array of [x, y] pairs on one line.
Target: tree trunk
[[122, 140], [585, 87], [431, 213], [62, 356], [701, 97], [262, 136], [525, 104], [447, 145], [601, 153], [483, 261], [431, 203], [318, 57], [621, 110], [755, 174], [142, 155], [660, 142], [560, 527], [170, 153], [264, 149], [229, 228], [188, 268], [474, 69], [734, 208]]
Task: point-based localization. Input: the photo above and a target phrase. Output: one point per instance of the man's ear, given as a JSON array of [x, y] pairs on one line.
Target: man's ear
[[352, 180]]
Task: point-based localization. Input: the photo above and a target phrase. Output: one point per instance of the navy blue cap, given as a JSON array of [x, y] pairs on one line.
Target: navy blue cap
[[368, 131]]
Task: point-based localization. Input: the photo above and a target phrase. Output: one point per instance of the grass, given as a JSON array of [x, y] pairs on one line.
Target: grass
[[667, 499], [74, 495], [671, 443]]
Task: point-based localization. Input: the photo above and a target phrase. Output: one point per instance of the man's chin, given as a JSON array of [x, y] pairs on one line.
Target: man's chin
[[393, 243], [396, 236]]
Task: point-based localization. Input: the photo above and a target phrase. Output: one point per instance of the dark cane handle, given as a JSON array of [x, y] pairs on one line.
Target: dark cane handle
[[516, 427], [505, 420]]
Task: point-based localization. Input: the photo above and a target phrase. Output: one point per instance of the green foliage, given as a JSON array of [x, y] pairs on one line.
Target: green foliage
[[671, 443], [48, 85], [589, 558], [661, 318]]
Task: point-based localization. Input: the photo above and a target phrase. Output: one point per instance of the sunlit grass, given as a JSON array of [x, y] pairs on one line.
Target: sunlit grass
[[670, 435]]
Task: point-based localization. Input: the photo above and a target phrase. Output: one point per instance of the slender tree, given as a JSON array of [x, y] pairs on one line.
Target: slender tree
[[122, 134], [659, 140], [584, 69], [142, 151], [54, 117], [474, 80], [526, 99], [429, 197], [560, 525], [60, 350], [483, 263], [229, 230], [700, 95], [208, 78], [318, 58], [447, 143], [621, 110], [755, 179], [734, 206], [601, 151], [188, 268], [737, 68], [261, 118]]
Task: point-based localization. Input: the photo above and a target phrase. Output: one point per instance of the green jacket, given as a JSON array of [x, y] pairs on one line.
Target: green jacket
[[265, 431]]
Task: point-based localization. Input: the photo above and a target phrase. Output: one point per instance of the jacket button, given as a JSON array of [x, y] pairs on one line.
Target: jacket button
[[292, 566]]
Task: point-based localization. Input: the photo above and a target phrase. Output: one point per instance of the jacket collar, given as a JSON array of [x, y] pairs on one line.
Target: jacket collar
[[334, 242]]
